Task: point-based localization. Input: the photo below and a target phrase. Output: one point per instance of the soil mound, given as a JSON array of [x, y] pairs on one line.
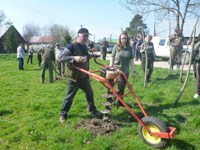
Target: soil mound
[[98, 126]]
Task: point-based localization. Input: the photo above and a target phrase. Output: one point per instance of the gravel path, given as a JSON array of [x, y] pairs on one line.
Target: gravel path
[[157, 64], [164, 64]]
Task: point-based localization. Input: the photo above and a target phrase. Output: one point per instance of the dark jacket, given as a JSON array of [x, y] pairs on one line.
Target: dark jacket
[[74, 49]]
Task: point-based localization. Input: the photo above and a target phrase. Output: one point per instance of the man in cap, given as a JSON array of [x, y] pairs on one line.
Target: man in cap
[[77, 54], [176, 41]]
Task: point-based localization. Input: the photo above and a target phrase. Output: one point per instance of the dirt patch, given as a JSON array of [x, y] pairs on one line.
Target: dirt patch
[[98, 126]]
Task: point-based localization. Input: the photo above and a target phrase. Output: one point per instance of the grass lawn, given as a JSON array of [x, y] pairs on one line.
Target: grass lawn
[[29, 111]]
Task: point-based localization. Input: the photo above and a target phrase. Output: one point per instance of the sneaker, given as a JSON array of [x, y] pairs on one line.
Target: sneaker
[[196, 96], [62, 119], [97, 114]]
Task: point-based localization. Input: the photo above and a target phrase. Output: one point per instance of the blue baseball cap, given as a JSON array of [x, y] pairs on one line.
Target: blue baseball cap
[[83, 31]]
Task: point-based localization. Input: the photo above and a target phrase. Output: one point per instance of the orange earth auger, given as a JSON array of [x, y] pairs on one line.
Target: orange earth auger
[[151, 130]]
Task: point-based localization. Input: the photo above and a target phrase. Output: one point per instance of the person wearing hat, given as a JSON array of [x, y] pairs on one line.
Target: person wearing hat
[[77, 54], [61, 66], [176, 42]]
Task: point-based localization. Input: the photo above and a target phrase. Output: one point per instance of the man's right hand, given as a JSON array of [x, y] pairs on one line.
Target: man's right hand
[[79, 59]]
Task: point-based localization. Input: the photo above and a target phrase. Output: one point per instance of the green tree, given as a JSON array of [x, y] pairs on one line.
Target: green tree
[[10, 41], [67, 38], [133, 30]]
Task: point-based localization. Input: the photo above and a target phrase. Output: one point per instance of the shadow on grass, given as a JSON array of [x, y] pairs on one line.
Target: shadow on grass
[[5, 112], [125, 116], [181, 145], [172, 120], [160, 108], [33, 69], [169, 77]]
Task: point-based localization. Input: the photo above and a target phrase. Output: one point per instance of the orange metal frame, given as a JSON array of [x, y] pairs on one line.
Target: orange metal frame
[[104, 81]]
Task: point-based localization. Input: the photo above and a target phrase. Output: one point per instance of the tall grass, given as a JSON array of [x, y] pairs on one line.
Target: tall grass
[[29, 111]]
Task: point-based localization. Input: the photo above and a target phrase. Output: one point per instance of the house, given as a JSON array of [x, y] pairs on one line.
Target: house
[[17, 39], [37, 42]]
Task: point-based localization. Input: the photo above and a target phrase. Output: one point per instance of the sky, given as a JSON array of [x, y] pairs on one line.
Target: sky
[[103, 18]]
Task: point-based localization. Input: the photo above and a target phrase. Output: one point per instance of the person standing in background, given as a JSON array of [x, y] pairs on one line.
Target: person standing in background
[[133, 45], [176, 40], [196, 59], [48, 58], [39, 55], [30, 55], [58, 53], [20, 56], [149, 48], [104, 45], [138, 47], [91, 46]]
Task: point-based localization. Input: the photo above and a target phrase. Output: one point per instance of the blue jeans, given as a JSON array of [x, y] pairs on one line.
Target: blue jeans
[[72, 88], [21, 63]]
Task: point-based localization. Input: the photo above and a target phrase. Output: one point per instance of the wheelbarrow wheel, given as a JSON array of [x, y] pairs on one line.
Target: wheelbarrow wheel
[[155, 125]]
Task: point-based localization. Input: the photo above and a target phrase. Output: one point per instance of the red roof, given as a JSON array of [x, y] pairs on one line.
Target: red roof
[[42, 39]]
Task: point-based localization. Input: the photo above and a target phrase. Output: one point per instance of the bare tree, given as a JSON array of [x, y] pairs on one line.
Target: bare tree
[[2, 17], [180, 9], [59, 33], [30, 30], [3, 20]]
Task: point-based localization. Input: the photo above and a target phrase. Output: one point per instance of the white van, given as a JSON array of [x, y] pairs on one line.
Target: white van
[[162, 48]]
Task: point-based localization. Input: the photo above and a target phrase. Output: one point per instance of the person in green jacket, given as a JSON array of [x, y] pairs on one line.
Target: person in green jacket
[[122, 58], [48, 60]]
